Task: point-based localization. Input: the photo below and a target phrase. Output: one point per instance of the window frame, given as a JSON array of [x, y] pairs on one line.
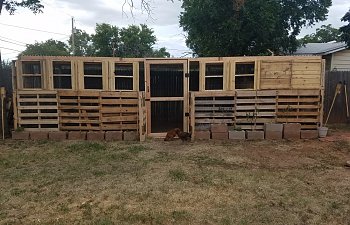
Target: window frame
[[114, 77], [102, 75], [72, 74], [23, 75], [234, 75], [205, 77]]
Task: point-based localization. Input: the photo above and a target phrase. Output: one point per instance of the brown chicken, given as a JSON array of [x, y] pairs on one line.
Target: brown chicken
[[172, 134], [184, 136]]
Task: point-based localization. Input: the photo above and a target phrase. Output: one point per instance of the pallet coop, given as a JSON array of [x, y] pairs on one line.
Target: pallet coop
[[120, 98]]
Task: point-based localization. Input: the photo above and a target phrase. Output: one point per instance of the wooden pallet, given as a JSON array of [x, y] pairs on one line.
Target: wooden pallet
[[119, 110], [299, 106], [98, 110], [37, 110], [210, 108], [79, 110], [254, 109]]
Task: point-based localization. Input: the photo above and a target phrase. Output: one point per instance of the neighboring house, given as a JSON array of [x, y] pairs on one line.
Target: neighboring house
[[336, 54]]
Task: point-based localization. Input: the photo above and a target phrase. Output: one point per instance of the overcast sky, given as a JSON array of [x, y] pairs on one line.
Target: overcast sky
[[57, 18]]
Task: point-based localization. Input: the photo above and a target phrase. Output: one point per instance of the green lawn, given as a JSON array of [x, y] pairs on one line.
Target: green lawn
[[157, 182]]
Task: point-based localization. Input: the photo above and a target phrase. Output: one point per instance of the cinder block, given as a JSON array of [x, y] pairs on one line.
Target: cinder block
[[273, 131], [39, 135], [131, 136], [95, 135], [219, 135], [20, 135], [58, 136], [219, 128], [236, 135], [202, 135], [309, 134], [255, 135], [76, 135], [114, 136], [291, 131]]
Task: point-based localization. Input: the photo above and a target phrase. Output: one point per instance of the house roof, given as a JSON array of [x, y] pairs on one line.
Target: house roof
[[321, 48]]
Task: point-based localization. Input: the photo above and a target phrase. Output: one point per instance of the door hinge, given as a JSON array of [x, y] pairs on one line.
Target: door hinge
[[187, 114], [187, 75]]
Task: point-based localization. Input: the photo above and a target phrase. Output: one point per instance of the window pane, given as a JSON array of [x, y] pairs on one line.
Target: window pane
[[122, 83], [62, 68], [141, 76], [122, 69], [31, 68], [60, 82], [246, 82], [93, 69], [245, 68], [214, 69], [194, 76], [32, 82], [93, 83], [214, 83], [167, 80]]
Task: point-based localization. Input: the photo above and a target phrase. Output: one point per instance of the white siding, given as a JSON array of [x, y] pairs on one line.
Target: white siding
[[341, 60]]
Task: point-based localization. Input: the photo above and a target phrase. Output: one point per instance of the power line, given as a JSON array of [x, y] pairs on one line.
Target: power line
[[12, 42], [27, 28], [10, 49]]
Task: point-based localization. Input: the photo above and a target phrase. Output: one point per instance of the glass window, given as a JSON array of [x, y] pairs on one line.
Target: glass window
[[214, 76], [124, 76], [244, 76], [31, 74], [62, 75], [93, 75]]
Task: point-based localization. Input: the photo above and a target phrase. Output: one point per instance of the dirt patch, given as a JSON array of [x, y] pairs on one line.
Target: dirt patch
[[156, 182]]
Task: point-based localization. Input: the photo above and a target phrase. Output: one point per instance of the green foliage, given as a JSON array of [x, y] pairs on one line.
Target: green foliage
[[11, 5], [345, 30], [248, 27], [324, 34], [105, 40], [83, 45], [48, 48]]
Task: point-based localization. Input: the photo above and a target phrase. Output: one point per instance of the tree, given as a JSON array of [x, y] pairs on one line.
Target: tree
[[48, 48], [248, 27], [345, 30], [324, 34], [136, 41], [132, 41], [83, 43], [160, 53], [105, 40], [11, 5]]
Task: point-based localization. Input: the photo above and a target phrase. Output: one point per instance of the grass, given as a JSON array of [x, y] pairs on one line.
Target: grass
[[301, 182]]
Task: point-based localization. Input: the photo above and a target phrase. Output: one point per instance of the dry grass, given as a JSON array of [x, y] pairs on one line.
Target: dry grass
[[154, 182]]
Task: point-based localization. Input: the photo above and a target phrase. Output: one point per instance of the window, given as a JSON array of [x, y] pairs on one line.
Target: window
[[124, 76], [244, 76], [214, 76], [93, 75], [31, 74], [62, 75], [194, 76]]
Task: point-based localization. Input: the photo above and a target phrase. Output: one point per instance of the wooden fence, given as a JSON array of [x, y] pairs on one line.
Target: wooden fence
[[338, 114], [80, 110], [252, 109]]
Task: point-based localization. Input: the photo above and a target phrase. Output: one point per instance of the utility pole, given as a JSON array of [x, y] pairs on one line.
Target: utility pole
[[73, 37]]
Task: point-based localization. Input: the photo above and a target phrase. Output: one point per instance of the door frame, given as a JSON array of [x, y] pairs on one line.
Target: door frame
[[184, 99]]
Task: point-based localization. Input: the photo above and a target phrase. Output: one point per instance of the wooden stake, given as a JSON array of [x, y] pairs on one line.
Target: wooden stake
[[3, 93], [337, 91], [346, 100]]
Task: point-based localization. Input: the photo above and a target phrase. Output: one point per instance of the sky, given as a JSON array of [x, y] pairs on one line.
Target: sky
[[55, 22]]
